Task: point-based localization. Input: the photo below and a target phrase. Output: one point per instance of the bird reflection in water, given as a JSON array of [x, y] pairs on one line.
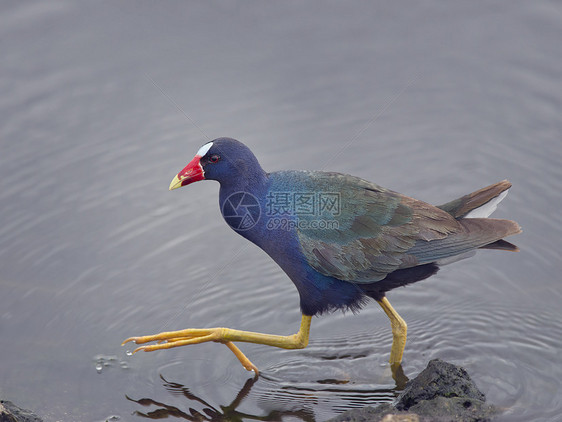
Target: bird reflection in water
[[297, 401], [209, 412]]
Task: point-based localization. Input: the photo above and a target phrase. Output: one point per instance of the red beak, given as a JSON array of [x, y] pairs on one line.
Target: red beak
[[193, 172]]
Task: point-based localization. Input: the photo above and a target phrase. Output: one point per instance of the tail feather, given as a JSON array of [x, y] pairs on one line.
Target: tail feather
[[477, 204], [486, 231], [476, 233], [501, 245]]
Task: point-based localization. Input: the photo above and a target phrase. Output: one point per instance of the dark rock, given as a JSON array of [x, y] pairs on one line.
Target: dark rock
[[384, 412], [9, 412], [439, 379], [5, 416], [442, 392], [442, 409]]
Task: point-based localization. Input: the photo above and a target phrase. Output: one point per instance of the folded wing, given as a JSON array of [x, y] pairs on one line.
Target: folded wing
[[379, 231]]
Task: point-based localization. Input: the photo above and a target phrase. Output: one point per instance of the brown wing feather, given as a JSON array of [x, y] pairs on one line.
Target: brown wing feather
[[380, 231], [377, 229]]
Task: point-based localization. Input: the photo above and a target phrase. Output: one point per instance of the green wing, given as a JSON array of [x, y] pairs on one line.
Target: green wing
[[374, 231]]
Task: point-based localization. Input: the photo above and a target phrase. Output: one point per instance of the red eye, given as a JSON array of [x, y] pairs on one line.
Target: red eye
[[214, 158]]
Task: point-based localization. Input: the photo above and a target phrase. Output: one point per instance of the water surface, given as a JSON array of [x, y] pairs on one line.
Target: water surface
[[103, 103]]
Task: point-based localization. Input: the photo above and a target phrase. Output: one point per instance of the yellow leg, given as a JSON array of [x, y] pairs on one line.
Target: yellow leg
[[167, 340], [399, 331]]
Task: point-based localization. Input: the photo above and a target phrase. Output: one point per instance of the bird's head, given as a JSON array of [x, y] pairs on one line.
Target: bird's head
[[225, 160]]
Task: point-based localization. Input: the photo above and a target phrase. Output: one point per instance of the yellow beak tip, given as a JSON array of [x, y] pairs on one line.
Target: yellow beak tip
[[176, 183]]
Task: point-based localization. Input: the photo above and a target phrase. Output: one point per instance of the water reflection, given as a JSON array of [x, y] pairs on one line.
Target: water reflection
[[297, 402], [209, 412]]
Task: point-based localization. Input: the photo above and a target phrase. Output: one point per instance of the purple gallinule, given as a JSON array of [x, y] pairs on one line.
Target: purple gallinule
[[339, 238]]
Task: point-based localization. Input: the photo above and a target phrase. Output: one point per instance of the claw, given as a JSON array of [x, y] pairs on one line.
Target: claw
[[246, 363], [133, 339]]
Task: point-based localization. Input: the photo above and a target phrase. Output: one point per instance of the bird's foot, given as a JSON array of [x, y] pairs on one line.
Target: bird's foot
[[226, 336], [170, 339]]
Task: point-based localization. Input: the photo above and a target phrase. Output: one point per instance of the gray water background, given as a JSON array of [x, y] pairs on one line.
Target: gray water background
[[102, 103]]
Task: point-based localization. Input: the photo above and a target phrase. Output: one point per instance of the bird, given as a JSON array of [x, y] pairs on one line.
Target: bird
[[342, 240]]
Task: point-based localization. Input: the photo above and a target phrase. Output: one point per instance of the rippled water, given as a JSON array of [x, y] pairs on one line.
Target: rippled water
[[103, 103]]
